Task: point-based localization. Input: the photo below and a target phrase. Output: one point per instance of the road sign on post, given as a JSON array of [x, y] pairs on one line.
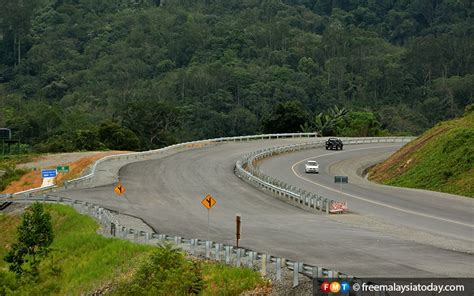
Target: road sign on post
[[119, 189], [48, 173], [63, 169], [208, 202], [341, 180]]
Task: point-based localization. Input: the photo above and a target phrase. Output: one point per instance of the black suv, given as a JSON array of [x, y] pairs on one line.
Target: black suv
[[334, 143]]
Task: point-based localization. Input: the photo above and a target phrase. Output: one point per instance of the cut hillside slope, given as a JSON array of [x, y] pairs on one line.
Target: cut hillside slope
[[442, 159], [78, 162]]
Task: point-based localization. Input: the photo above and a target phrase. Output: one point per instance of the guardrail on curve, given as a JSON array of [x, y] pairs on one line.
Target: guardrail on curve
[[245, 169], [144, 154]]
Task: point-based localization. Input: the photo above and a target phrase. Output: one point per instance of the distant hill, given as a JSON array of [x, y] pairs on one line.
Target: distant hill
[[442, 159], [81, 75]]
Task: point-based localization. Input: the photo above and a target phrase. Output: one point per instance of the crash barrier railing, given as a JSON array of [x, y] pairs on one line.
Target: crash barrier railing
[[144, 154], [228, 254], [246, 170]]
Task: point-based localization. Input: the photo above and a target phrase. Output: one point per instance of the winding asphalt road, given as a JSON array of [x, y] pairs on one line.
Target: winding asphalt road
[[166, 192]]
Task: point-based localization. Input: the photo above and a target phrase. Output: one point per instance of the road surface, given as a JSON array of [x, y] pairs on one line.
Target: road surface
[[167, 192]]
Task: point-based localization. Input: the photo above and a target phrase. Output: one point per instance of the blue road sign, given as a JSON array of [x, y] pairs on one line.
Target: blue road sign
[[48, 173]]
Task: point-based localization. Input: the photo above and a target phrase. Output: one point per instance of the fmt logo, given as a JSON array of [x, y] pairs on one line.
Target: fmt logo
[[335, 287]]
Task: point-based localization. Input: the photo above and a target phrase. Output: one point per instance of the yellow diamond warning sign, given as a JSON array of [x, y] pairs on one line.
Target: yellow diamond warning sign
[[119, 189], [208, 202]]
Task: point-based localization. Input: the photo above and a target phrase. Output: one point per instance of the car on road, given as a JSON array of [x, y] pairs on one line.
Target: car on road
[[334, 143], [312, 166]]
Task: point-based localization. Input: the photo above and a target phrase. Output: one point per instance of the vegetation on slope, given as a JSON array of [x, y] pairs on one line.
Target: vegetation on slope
[[82, 261], [86, 75], [10, 172], [442, 159]]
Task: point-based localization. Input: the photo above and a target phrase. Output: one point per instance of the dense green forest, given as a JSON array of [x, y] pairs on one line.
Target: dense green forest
[[125, 74]]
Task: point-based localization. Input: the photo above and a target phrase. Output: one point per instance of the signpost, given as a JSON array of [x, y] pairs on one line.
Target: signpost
[[49, 173], [208, 202], [119, 189], [238, 218], [63, 169], [341, 180]]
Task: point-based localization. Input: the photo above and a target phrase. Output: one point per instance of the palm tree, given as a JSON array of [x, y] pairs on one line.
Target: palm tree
[[326, 123]]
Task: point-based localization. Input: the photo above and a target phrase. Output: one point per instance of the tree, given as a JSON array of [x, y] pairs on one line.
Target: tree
[[15, 23], [360, 124], [153, 121], [114, 136], [325, 124], [286, 118], [35, 235]]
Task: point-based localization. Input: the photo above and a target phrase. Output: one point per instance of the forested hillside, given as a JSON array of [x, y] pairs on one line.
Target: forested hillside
[[124, 74]]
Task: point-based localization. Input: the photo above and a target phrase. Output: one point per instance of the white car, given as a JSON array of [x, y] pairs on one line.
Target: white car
[[311, 166]]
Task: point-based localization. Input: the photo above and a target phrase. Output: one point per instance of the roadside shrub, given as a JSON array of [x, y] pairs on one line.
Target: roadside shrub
[[165, 272], [35, 235]]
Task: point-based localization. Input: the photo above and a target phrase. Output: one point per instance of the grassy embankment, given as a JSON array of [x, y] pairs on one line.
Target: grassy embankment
[[83, 261], [442, 159]]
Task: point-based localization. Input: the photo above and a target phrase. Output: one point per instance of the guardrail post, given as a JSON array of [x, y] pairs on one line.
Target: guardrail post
[[228, 253], [177, 240], [263, 270], [239, 257], [208, 249], [135, 235], [251, 259], [314, 272], [218, 251], [147, 236], [193, 246], [296, 268], [327, 206], [278, 269], [112, 229]]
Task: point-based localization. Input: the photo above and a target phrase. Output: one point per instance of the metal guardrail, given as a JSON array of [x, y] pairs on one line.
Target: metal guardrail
[[227, 254], [144, 154], [245, 169]]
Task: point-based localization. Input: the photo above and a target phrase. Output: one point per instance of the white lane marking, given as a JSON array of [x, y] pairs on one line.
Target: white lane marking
[[365, 199]]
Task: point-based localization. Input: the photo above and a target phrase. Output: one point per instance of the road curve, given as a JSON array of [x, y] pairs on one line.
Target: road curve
[[166, 193], [440, 214]]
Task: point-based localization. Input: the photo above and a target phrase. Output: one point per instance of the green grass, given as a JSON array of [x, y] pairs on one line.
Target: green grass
[[11, 160], [231, 280], [442, 159], [8, 226], [82, 261]]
